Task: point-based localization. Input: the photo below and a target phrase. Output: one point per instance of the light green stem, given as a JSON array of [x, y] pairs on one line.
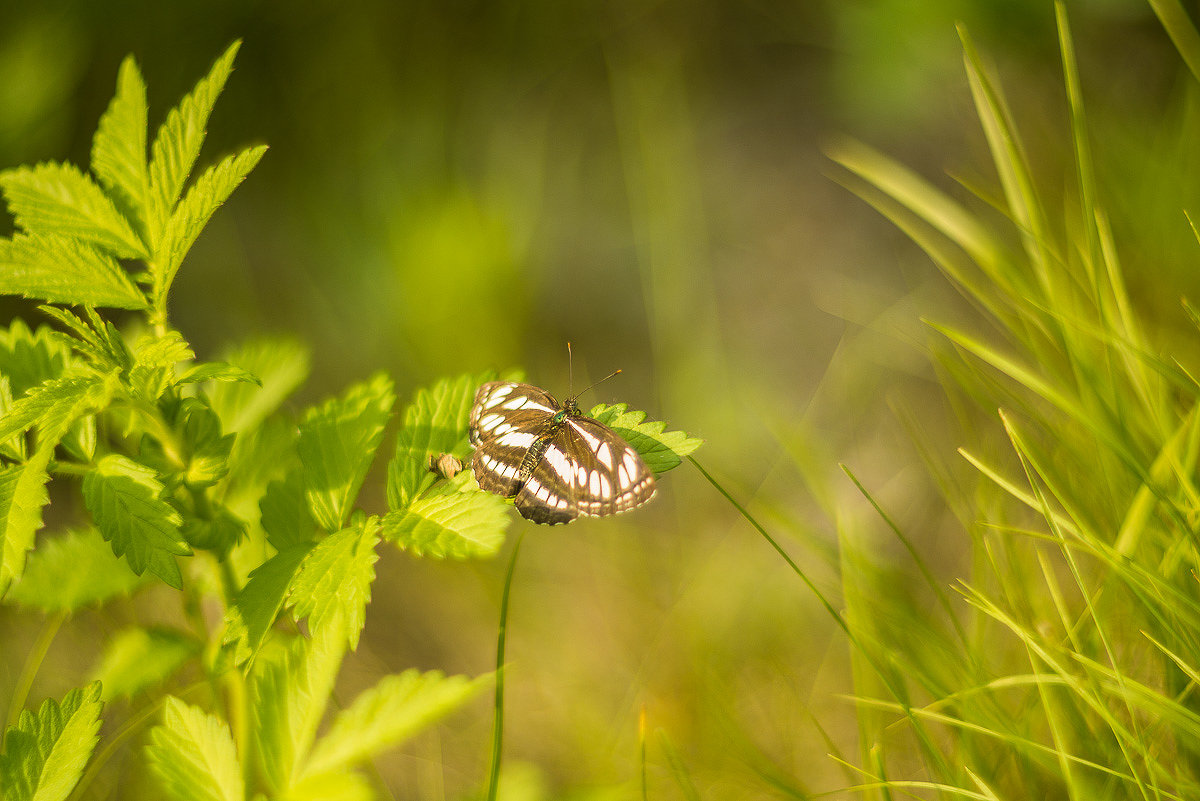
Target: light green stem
[[498, 728], [34, 661]]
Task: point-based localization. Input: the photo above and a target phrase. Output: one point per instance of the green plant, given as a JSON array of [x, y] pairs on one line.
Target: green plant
[[195, 475], [1071, 672]]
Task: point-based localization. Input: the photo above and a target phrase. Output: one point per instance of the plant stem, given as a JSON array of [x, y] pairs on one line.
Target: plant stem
[[70, 468], [235, 705], [642, 751], [498, 729], [32, 663]]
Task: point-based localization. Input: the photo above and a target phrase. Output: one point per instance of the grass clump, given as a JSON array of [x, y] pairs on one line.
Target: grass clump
[[1071, 670]]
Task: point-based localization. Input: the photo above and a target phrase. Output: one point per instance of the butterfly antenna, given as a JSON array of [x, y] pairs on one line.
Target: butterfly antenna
[[570, 369], [595, 384]]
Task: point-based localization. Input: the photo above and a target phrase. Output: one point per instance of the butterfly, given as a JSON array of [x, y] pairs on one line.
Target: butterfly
[[555, 462]]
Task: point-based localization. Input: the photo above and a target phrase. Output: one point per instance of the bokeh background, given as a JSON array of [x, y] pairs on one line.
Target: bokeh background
[[454, 185]]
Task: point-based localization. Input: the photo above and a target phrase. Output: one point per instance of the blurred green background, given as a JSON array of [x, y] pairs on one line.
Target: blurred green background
[[454, 186]]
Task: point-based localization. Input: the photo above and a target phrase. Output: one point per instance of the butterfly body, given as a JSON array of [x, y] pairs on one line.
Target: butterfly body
[[555, 462]]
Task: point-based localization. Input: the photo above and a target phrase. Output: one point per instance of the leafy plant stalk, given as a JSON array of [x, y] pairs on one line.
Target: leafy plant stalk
[[195, 475]]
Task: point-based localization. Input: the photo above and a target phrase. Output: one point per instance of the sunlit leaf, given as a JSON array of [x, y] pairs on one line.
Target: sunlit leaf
[[387, 714], [95, 339], [53, 406], [334, 583], [337, 443], [197, 207], [450, 523], [22, 496], [217, 371], [285, 516], [193, 755], [280, 364], [71, 571], [434, 423], [59, 199], [29, 358], [176, 148], [119, 147], [289, 693], [137, 659], [662, 450], [125, 500], [154, 360], [61, 269], [342, 785], [251, 615], [45, 753]]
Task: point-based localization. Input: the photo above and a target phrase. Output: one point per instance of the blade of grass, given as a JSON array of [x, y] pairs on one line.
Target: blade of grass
[[1179, 27], [938, 590], [498, 725], [1033, 472], [1085, 172], [1009, 157], [878, 665]]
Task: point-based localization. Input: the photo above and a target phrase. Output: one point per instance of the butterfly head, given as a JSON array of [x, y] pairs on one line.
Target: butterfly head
[[569, 408]]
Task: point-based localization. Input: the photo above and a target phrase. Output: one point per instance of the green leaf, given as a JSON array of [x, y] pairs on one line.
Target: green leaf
[[137, 659], [125, 500], [59, 199], [199, 445], [22, 496], [167, 350], [281, 364], [387, 714], [334, 583], [55, 405], [177, 146], [60, 269], [449, 522], [193, 755], [45, 753], [155, 358], [71, 571], [27, 359], [206, 448], [217, 371], [119, 147], [259, 457], [193, 213], [284, 513], [14, 447], [97, 340], [80, 440], [288, 697], [30, 358], [662, 450], [337, 786], [434, 423], [249, 619], [1012, 166], [1176, 21], [219, 532], [337, 442]]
